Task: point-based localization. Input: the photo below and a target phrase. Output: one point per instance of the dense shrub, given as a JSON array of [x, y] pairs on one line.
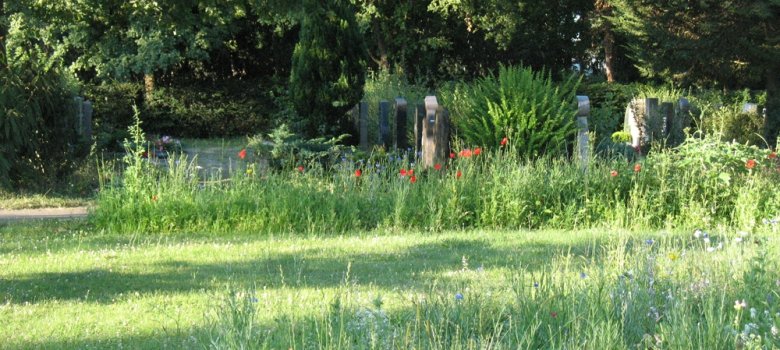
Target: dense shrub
[[534, 113], [38, 139], [112, 105], [182, 109], [328, 70], [233, 108]]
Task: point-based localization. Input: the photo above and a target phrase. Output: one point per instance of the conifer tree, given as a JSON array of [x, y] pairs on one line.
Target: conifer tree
[[328, 69]]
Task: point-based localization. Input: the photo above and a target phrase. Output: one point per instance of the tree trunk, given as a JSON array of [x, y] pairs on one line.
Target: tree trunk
[[148, 86], [382, 61], [772, 121], [603, 11], [3, 33], [609, 53]]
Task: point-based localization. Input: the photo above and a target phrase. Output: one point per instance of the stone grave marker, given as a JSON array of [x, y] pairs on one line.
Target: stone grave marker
[[400, 124], [583, 111], [384, 124]]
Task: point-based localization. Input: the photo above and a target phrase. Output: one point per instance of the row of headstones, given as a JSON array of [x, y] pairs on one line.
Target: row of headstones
[[431, 128], [647, 120]]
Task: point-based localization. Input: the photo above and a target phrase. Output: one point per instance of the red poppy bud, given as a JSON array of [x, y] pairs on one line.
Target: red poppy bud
[[358, 172], [437, 166], [242, 153], [413, 179], [504, 141], [750, 164]]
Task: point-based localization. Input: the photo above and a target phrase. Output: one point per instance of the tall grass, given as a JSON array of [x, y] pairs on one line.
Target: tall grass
[[686, 187], [643, 294]]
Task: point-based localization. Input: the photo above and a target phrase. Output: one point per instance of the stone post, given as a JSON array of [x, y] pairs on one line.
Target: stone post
[[583, 146], [384, 124], [400, 124], [667, 116], [364, 126], [87, 119], [429, 132], [419, 117]]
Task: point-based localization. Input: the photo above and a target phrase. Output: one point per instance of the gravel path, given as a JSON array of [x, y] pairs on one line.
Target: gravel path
[[43, 213]]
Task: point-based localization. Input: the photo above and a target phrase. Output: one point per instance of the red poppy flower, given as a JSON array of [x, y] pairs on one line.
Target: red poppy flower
[[637, 167], [413, 179], [452, 155], [437, 166], [358, 172], [403, 172], [242, 153], [772, 155], [613, 173], [300, 168], [466, 153], [458, 174], [750, 164], [410, 172], [504, 141], [477, 151]]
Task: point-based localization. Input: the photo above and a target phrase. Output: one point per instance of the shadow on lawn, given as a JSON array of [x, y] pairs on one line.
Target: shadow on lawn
[[401, 270]]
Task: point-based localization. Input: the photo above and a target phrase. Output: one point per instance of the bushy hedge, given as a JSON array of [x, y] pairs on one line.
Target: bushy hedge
[[183, 109]]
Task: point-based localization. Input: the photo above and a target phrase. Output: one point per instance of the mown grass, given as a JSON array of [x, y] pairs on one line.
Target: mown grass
[[67, 285]]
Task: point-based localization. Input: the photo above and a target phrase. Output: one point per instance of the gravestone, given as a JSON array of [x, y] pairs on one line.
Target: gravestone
[[643, 122], [83, 116], [400, 124], [364, 126], [750, 108], [384, 124], [419, 117], [583, 147], [435, 133], [667, 115]]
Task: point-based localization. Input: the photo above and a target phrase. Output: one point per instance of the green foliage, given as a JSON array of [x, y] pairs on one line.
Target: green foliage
[[733, 125], [38, 140], [285, 149], [328, 71], [533, 112], [112, 105], [231, 108]]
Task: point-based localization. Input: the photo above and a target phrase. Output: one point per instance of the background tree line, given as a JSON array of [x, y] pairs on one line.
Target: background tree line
[[237, 67]]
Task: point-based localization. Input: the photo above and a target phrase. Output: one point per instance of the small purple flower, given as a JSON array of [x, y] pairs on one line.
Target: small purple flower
[[253, 299], [458, 296], [536, 284], [583, 275], [650, 241]]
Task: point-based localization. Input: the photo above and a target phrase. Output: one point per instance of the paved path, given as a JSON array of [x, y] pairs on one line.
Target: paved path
[[43, 213]]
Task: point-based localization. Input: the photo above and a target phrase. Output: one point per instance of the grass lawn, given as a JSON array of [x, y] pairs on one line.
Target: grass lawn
[[63, 285]]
